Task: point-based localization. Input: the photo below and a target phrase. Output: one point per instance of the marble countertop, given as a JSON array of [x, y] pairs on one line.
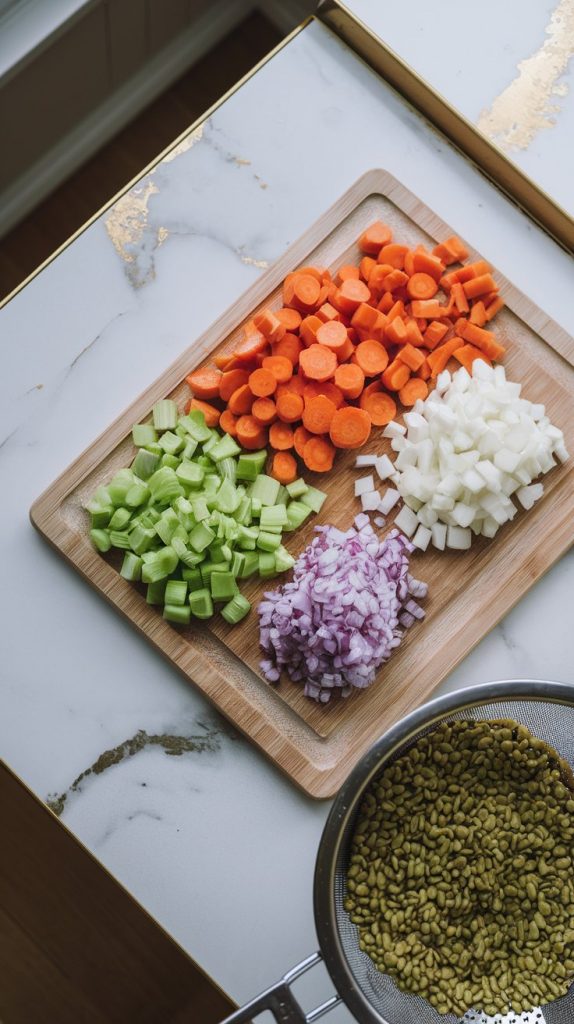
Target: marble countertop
[[196, 823]]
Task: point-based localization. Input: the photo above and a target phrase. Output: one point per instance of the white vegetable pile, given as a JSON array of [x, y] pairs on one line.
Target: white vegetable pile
[[340, 617], [464, 451]]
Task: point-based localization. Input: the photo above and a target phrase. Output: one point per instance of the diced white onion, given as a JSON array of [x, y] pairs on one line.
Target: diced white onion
[[364, 484], [458, 538], [406, 521], [385, 467], [422, 538], [388, 501], [438, 532], [393, 429], [528, 495], [365, 461], [370, 501]]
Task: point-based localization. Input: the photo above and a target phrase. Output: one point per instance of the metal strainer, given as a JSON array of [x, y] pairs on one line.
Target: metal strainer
[[547, 710]]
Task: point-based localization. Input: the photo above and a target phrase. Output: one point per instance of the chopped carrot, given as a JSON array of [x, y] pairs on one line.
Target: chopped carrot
[[365, 316], [204, 382], [317, 272], [365, 266], [378, 277], [379, 405], [284, 468], [262, 383], [290, 318], [333, 334], [425, 263], [414, 336], [306, 290], [387, 302], [414, 389], [241, 401], [280, 367], [345, 353], [493, 308], [440, 357], [221, 359], [328, 312], [478, 314], [317, 414], [350, 379], [395, 280], [460, 325], [318, 455], [350, 427], [428, 309], [319, 362], [350, 295], [229, 381], [479, 286], [472, 270], [425, 371], [228, 422], [209, 411], [250, 346], [289, 406], [374, 237], [372, 357], [422, 286], [348, 271], [290, 346], [281, 436], [323, 294], [250, 433], [466, 355], [397, 309], [300, 438], [396, 375], [484, 340], [329, 390], [458, 298], [394, 255], [269, 324], [411, 356], [452, 250], [396, 331], [294, 386], [264, 410], [308, 329]]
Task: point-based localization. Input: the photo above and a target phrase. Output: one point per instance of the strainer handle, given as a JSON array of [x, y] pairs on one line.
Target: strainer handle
[[280, 1000]]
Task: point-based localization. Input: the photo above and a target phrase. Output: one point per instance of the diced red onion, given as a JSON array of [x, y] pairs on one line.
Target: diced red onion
[[340, 617]]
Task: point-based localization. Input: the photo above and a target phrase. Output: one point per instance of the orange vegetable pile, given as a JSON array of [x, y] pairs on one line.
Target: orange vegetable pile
[[320, 372]]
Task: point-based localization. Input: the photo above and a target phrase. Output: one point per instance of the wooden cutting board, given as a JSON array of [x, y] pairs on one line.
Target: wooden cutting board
[[469, 592]]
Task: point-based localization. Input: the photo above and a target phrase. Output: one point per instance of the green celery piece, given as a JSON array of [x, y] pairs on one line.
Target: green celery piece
[[194, 424], [268, 541], [190, 474], [227, 468], [250, 465], [247, 537], [119, 487], [191, 558], [141, 539], [101, 499], [154, 449], [166, 525], [297, 488], [216, 552], [201, 604], [236, 609], [208, 568], [199, 509], [184, 512], [181, 432], [120, 519], [222, 585], [227, 552], [231, 529], [165, 414], [176, 592], [143, 433], [155, 592], [181, 614], [161, 566], [313, 498], [100, 517], [226, 499], [131, 567], [101, 540], [201, 537], [251, 564], [137, 495], [283, 560], [266, 564], [148, 556], [242, 513], [171, 461], [179, 545], [190, 448], [275, 529], [296, 514], [192, 578], [205, 461], [121, 540], [150, 516], [265, 489], [211, 485], [225, 448], [273, 515], [145, 463], [256, 507], [238, 563], [282, 496], [165, 486], [170, 443], [210, 444]]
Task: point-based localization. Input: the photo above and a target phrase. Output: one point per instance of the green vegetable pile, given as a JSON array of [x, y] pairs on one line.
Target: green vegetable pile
[[460, 877], [195, 514]]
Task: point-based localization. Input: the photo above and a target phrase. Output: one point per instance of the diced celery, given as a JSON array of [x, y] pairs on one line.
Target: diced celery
[[275, 529], [223, 586], [118, 489], [171, 461], [226, 498], [183, 510], [145, 463], [171, 443], [148, 556], [191, 558], [195, 425], [100, 517], [297, 513], [210, 444], [155, 592], [215, 552], [181, 614], [192, 578], [179, 545], [141, 538], [205, 461], [143, 433], [167, 524], [236, 609], [137, 495], [149, 516], [238, 563], [255, 508], [199, 509], [242, 513], [282, 496], [283, 560], [201, 604], [190, 448], [227, 468], [268, 541], [313, 498], [297, 488], [227, 552], [250, 465], [211, 485], [131, 567], [265, 489], [176, 592], [247, 537], [274, 515], [165, 486], [101, 540], [251, 564], [181, 432], [266, 564], [101, 499], [165, 414], [154, 448], [190, 474], [201, 537], [161, 566], [225, 448], [120, 539]]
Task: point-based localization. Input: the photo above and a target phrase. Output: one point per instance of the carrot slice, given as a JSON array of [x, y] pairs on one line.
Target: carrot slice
[[484, 340], [317, 414], [458, 298], [428, 309], [262, 383], [414, 336], [228, 423], [372, 357], [478, 314], [250, 433], [394, 255], [222, 359], [411, 357], [289, 406], [466, 355], [425, 371], [350, 379], [440, 357], [333, 335], [387, 302], [396, 375], [284, 468], [396, 331], [425, 263], [329, 390], [209, 411], [422, 286], [318, 455], [300, 438], [414, 389], [295, 386], [308, 329], [434, 333], [396, 279], [251, 346], [318, 362], [281, 436], [241, 401], [481, 285], [365, 316], [306, 290], [204, 382], [493, 308], [328, 312], [365, 266], [290, 318], [290, 346], [269, 324], [279, 366], [350, 295], [350, 427], [452, 250], [264, 410], [374, 237], [229, 381], [348, 271], [380, 406]]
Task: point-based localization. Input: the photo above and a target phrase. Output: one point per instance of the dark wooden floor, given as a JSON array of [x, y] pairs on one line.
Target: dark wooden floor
[[55, 219]]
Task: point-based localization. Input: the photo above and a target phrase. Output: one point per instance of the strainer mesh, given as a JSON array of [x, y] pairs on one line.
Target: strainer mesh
[[551, 722]]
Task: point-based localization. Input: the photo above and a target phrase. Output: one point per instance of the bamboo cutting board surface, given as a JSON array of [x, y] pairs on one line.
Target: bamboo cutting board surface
[[469, 592]]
